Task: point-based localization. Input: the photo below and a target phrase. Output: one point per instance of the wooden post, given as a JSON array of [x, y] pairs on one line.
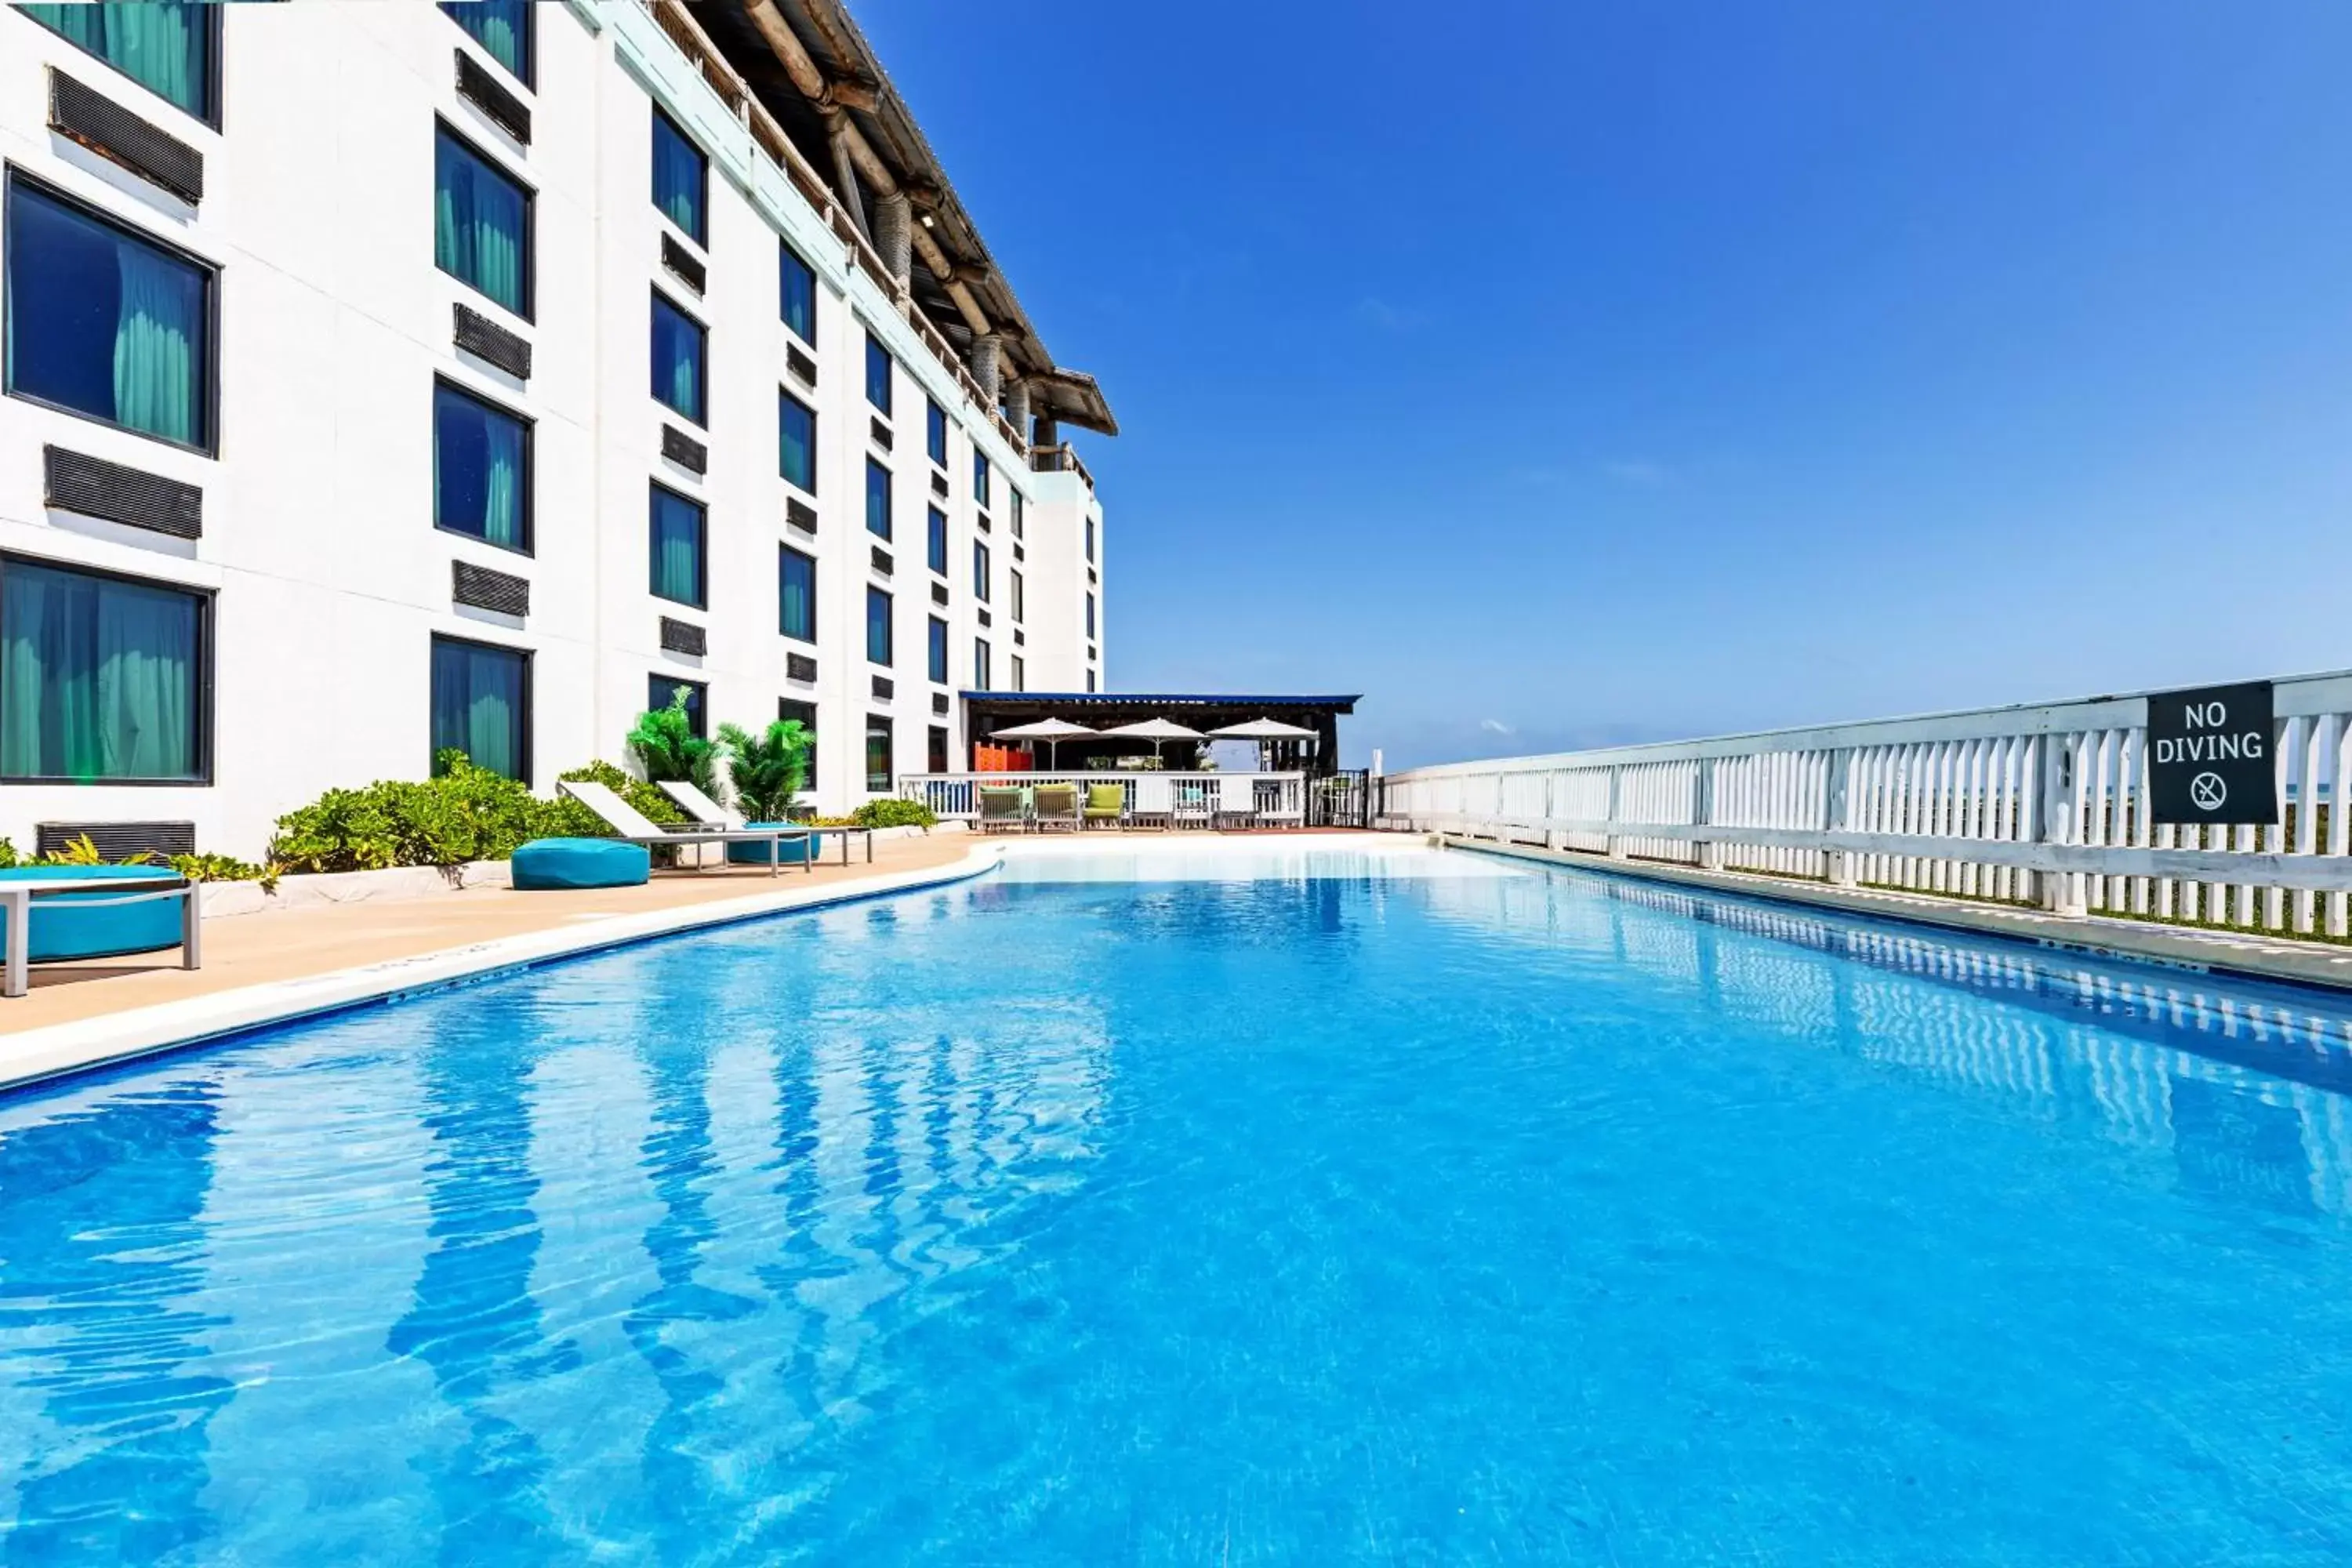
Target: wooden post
[[2058, 819]]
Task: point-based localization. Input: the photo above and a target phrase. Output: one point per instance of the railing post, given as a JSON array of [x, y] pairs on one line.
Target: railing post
[[1615, 843], [1551, 809], [2057, 821], [1710, 853], [1839, 862]]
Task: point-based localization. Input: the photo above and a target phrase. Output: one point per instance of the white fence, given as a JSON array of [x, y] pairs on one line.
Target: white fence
[[2045, 803], [1272, 797]]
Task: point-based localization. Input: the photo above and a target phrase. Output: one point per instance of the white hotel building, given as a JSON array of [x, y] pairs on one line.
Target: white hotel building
[[382, 377]]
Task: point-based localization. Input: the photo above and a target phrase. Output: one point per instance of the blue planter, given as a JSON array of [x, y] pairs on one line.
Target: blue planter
[[64, 927], [790, 852], [549, 865]]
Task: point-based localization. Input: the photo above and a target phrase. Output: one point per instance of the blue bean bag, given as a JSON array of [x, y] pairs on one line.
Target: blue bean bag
[[61, 930], [790, 852], [548, 865]]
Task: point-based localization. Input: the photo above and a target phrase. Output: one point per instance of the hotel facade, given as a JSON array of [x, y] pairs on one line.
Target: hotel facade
[[383, 377]]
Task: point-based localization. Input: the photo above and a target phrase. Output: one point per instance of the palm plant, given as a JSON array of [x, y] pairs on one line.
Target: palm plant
[[767, 770], [666, 746]]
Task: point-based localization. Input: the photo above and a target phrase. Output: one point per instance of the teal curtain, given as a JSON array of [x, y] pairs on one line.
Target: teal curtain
[[796, 457], [678, 176], [99, 678], [155, 336], [677, 360], [677, 552], [502, 483], [796, 591], [162, 45], [480, 220], [478, 705], [501, 26]]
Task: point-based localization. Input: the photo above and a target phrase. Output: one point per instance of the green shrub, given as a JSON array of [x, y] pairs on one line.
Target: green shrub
[[666, 746], [81, 851], [767, 768], [8, 854], [466, 814], [894, 813], [651, 804]]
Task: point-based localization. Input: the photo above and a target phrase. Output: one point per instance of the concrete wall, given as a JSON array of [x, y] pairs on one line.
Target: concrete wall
[[318, 536]]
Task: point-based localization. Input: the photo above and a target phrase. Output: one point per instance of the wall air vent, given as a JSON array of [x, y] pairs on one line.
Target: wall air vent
[[1020, 638], [1019, 553], [479, 86], [982, 517], [684, 450], [883, 688], [984, 620], [799, 666], [938, 593], [116, 134], [882, 562], [938, 484], [800, 364], [489, 341], [680, 262], [800, 514], [118, 841], [487, 590], [879, 432], [681, 636], [95, 488], [939, 701]]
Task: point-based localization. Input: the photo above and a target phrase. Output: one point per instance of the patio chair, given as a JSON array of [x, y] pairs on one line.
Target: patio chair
[[1002, 809], [1155, 801], [1055, 805], [1236, 801], [701, 811], [1191, 804], [633, 826], [1105, 806]]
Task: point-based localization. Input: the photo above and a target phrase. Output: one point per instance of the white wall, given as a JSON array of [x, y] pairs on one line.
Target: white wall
[[317, 534]]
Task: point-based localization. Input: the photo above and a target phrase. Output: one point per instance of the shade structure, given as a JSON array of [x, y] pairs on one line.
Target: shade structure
[[1159, 731], [1262, 730], [1054, 731]]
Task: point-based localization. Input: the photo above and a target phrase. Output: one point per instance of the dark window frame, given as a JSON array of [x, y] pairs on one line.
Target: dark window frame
[[214, 49], [210, 447], [701, 601], [876, 348], [529, 75], [789, 258], [529, 545], [889, 499], [782, 550], [443, 126], [935, 430], [702, 195], [889, 659], [935, 540], [206, 613], [793, 708], [980, 468], [700, 421], [699, 706], [983, 571], [880, 723], [784, 395], [983, 661], [936, 651], [530, 699]]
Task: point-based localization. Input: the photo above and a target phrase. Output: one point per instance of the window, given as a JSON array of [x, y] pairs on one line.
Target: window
[[979, 665], [935, 752], [165, 45], [661, 690], [1090, 681], [102, 678], [1019, 504], [481, 706], [877, 374], [877, 754], [795, 593], [796, 442], [680, 175], [101, 323], [979, 570], [1019, 598], [806, 714], [1020, 675], [481, 224], [878, 626], [938, 650], [1090, 615], [877, 500], [938, 538], [980, 477], [1090, 541], [935, 431], [799, 300], [674, 548], [501, 26], [678, 343], [481, 469]]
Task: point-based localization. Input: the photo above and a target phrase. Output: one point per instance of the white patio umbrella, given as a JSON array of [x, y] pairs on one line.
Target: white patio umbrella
[[1262, 730], [1159, 731], [1052, 731]]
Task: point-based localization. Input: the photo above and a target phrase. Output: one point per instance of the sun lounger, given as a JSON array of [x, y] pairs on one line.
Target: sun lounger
[[634, 826], [704, 812]]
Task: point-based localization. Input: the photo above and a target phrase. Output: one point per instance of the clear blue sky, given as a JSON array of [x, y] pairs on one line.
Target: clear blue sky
[[1561, 373]]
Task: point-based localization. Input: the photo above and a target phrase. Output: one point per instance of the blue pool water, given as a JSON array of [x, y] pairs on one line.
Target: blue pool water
[[1494, 1216]]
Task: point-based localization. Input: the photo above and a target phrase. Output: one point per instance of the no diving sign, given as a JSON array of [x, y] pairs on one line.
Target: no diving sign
[[2208, 755]]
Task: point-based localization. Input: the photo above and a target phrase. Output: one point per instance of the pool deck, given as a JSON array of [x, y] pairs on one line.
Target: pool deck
[[288, 963]]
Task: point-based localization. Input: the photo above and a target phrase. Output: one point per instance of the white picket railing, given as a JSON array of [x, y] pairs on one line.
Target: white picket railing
[[1275, 798], [2044, 804]]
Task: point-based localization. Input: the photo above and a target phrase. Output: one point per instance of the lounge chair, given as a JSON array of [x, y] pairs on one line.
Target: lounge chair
[[1055, 805], [1105, 806], [633, 826], [1004, 808], [701, 811]]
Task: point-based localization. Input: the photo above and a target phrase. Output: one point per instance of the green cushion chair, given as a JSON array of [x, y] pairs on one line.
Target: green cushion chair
[[1105, 803]]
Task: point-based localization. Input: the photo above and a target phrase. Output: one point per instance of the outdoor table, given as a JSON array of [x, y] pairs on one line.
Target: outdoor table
[[17, 910]]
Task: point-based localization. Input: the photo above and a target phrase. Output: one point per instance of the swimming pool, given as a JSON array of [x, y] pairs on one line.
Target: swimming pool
[[1395, 1207]]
